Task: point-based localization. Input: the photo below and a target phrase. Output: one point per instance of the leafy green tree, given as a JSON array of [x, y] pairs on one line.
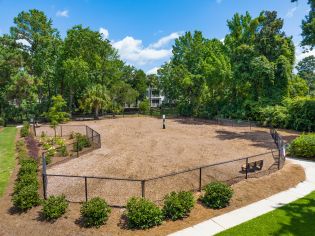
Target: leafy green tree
[[96, 97], [41, 43], [122, 94], [56, 114], [308, 26], [297, 87], [21, 92], [306, 70]]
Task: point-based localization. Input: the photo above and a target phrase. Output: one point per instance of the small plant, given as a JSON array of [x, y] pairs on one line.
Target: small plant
[[178, 205], [63, 151], [217, 195], [54, 207], [95, 212], [143, 214], [82, 141], [43, 135], [50, 154], [144, 106], [26, 198], [25, 130], [72, 135], [25, 180], [303, 146]]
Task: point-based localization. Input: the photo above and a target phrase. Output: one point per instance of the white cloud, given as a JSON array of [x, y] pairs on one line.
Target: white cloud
[[64, 13], [153, 70], [165, 40], [24, 42], [291, 12], [104, 32], [134, 52]]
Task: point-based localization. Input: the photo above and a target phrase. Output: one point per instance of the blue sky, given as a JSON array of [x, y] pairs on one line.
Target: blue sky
[[143, 30]]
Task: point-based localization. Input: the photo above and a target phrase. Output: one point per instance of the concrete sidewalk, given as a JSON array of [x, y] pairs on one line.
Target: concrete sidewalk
[[241, 215]]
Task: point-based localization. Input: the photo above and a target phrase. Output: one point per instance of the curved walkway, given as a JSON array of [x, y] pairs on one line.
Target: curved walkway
[[241, 215]]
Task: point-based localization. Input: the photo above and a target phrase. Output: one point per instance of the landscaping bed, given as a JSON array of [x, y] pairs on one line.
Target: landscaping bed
[[245, 192]]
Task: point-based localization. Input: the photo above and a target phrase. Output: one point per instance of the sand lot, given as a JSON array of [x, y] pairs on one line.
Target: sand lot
[[138, 148]]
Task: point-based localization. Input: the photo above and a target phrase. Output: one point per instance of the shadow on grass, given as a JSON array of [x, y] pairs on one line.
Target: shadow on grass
[[301, 217]]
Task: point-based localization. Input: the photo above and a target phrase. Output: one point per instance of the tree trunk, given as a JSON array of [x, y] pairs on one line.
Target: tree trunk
[[96, 112]]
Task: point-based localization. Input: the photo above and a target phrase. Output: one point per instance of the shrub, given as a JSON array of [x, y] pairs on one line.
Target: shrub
[[143, 214], [43, 135], [25, 180], [26, 198], [54, 207], [217, 195], [178, 205], [144, 106], [2, 121], [63, 151], [27, 167], [95, 212], [303, 146], [82, 141], [25, 130]]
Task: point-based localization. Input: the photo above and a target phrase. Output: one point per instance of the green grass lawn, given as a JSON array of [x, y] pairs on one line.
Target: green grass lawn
[[7, 151], [296, 218]]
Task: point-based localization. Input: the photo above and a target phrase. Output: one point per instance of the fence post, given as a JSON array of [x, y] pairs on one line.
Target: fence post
[[77, 143], [44, 177], [92, 136], [85, 184], [61, 130], [246, 168], [143, 188], [200, 186]]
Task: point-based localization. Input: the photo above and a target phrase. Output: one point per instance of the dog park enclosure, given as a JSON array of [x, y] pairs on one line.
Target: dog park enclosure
[[138, 158]]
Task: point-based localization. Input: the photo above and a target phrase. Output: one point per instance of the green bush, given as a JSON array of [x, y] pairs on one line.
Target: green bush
[[25, 130], [144, 106], [81, 141], [95, 212], [143, 214], [27, 167], [2, 121], [303, 146], [25, 180], [54, 207], [178, 205], [26, 198], [276, 116], [217, 195]]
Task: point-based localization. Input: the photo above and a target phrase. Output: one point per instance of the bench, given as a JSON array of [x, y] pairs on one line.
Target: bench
[[253, 166]]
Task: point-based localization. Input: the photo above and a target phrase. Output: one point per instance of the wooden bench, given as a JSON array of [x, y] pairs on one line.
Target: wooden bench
[[253, 166]]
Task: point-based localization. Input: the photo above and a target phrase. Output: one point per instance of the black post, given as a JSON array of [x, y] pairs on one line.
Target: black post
[[143, 188], [44, 186], [77, 143], [200, 187], [86, 193], [61, 130], [246, 168]]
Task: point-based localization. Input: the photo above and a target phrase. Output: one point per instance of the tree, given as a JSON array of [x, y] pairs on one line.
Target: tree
[[122, 94], [55, 114], [306, 70], [297, 87], [96, 97], [21, 92], [41, 42]]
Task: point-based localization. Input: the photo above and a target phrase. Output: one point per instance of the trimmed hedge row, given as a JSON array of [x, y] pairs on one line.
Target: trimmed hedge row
[[26, 186]]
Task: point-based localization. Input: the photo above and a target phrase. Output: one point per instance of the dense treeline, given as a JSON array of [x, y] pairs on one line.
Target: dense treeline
[[248, 76], [36, 64]]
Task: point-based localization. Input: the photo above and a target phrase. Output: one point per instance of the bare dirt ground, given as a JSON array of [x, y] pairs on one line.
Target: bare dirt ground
[[138, 148], [246, 192]]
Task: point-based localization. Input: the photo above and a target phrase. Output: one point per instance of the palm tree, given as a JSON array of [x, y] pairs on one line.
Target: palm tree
[[96, 97]]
